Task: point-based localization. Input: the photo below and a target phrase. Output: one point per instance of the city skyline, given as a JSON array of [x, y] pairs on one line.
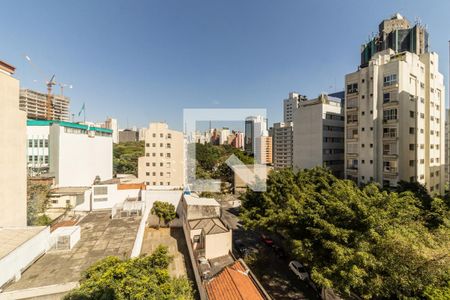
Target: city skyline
[[163, 52]]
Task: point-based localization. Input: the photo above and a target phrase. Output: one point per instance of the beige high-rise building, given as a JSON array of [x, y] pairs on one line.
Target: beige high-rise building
[[290, 105], [319, 134], [395, 110], [13, 136], [163, 163], [35, 105], [282, 139], [263, 150]]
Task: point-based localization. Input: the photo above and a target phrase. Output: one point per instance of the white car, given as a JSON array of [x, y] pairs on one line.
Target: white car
[[298, 270]]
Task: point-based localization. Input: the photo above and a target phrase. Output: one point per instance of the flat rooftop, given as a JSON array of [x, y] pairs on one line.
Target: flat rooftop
[[195, 200], [12, 238], [101, 236]]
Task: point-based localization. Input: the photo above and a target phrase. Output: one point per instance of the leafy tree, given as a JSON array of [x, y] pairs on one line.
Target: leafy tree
[[366, 241], [164, 210], [125, 157], [37, 203], [143, 278]]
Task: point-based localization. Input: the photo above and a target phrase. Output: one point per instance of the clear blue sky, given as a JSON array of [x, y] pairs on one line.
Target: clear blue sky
[[145, 61]]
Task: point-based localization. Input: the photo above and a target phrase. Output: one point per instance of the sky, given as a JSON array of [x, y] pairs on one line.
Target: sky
[[143, 61]]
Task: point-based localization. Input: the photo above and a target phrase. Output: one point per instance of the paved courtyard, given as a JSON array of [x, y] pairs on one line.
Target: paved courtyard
[[100, 237], [174, 239]]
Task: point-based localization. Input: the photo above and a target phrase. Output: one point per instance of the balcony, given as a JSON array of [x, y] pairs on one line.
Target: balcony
[[390, 103], [390, 172], [352, 170]]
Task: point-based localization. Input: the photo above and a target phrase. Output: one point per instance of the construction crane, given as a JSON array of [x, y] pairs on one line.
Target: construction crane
[[49, 83]]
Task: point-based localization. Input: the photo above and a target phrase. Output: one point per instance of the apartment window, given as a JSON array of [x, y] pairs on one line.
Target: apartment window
[[362, 129], [422, 176], [154, 135], [168, 182], [371, 145], [371, 128], [30, 158], [161, 135], [161, 174], [390, 114], [421, 130], [147, 154], [411, 163], [431, 175], [432, 146], [411, 147], [153, 144], [363, 161], [389, 132], [386, 97], [411, 114], [411, 130], [30, 143], [437, 133], [161, 183], [363, 113], [161, 145], [169, 135], [362, 80], [422, 146], [371, 112], [46, 143], [431, 132], [437, 107], [422, 85], [161, 164], [147, 183], [168, 155], [168, 164], [437, 146], [422, 115], [352, 88], [422, 161], [390, 80], [362, 97], [147, 173], [362, 145], [147, 145], [154, 173], [36, 143], [147, 164], [422, 100], [161, 154], [153, 164], [153, 154], [168, 146], [168, 174], [100, 190], [411, 179], [437, 173], [154, 182]]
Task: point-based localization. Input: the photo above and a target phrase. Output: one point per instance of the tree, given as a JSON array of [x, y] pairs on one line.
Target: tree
[[145, 277], [37, 203], [125, 157], [366, 241], [164, 211]]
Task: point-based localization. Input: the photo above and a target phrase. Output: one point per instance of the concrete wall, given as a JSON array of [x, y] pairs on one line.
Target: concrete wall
[[113, 196], [13, 181], [77, 158], [218, 244], [13, 264]]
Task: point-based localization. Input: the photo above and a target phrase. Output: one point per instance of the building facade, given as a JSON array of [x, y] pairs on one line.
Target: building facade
[[447, 145], [318, 138], [255, 127], [111, 123], [395, 111], [263, 150], [13, 178], [128, 135], [290, 105], [163, 163], [35, 105], [75, 154], [282, 144]]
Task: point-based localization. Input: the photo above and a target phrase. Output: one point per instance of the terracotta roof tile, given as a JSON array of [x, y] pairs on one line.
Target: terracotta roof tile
[[233, 283]]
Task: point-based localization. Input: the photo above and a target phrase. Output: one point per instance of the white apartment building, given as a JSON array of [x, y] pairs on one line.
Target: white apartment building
[[318, 138], [75, 154], [111, 123], [282, 144], [395, 110], [223, 135], [263, 150], [35, 105], [447, 145], [255, 126], [13, 178], [290, 105], [163, 163]]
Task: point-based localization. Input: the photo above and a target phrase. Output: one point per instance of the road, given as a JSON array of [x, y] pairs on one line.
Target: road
[[272, 271]]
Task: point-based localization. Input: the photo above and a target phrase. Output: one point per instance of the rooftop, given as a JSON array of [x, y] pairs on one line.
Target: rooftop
[[12, 238], [69, 190], [66, 124], [233, 283], [195, 200], [209, 225]]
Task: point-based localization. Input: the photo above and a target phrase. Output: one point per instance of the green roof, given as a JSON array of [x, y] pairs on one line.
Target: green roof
[[66, 124]]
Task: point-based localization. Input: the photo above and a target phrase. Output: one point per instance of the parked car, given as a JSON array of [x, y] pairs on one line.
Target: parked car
[[298, 270], [266, 240]]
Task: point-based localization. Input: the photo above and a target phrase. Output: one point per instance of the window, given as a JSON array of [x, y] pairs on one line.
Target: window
[[422, 115], [168, 183], [161, 145], [390, 80], [169, 135], [30, 158], [390, 114], [411, 114], [147, 173], [411, 163], [46, 159], [168, 155], [153, 144], [168, 146], [46, 143], [154, 173], [422, 100], [161, 174], [352, 88], [154, 135], [161, 135], [422, 176], [371, 162], [363, 113], [386, 97], [147, 164], [30, 143], [153, 164], [161, 164], [371, 145], [411, 147], [389, 132], [153, 154], [100, 190], [411, 130], [103, 199], [147, 145], [161, 154]]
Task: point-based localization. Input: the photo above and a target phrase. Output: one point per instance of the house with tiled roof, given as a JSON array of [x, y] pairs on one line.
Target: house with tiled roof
[[235, 282]]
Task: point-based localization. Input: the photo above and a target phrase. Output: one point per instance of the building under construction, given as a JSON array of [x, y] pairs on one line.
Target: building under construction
[[36, 106]]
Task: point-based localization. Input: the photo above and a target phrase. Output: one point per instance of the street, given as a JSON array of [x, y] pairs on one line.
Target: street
[[270, 268]]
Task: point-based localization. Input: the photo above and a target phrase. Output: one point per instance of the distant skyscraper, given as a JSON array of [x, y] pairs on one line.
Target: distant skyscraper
[[35, 105], [395, 110], [282, 138], [255, 126], [290, 105]]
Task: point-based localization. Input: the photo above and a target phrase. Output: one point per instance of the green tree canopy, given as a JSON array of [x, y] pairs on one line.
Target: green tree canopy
[[164, 211], [143, 278], [365, 241], [125, 157]]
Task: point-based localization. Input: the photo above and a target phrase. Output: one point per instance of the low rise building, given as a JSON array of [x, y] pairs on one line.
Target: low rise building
[[75, 154], [128, 135]]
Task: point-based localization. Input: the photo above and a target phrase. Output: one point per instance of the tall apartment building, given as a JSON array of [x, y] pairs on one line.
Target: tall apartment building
[[75, 154], [290, 105], [163, 163], [318, 138], [395, 110], [255, 126], [35, 105], [283, 145], [447, 145], [13, 178], [263, 150]]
